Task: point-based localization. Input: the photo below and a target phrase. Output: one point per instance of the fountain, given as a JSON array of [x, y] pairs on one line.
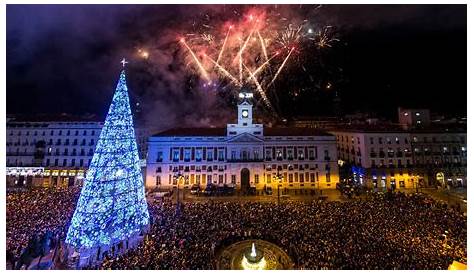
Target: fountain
[[253, 259]]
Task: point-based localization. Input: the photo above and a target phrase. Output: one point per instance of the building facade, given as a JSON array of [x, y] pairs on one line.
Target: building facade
[[384, 159], [52, 153], [409, 118], [243, 155]]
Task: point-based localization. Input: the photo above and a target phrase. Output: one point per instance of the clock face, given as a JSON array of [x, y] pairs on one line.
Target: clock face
[[245, 113]]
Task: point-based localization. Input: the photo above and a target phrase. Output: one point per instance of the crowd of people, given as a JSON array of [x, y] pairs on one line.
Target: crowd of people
[[393, 231], [35, 213]]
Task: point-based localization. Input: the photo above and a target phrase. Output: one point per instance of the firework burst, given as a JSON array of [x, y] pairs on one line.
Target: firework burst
[[250, 48]]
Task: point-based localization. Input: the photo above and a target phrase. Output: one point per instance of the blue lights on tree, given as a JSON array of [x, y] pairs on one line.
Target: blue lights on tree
[[112, 205]]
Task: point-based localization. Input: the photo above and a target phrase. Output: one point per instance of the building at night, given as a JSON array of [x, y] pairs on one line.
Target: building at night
[[397, 158], [53, 151], [243, 155], [414, 118]]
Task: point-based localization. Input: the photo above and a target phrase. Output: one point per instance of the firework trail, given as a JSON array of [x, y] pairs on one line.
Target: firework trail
[[242, 48], [281, 66]]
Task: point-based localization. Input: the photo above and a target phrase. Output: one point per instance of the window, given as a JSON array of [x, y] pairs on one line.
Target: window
[[256, 179], [290, 153], [255, 154], [198, 179], [290, 178], [56, 162], [301, 177], [81, 162], [65, 162], [158, 180], [269, 178], [328, 177], [198, 155], [233, 155], [221, 155], [175, 155], [209, 155], [93, 133], [73, 162], [187, 155], [159, 156], [233, 179], [380, 140], [358, 140], [312, 178], [371, 140]]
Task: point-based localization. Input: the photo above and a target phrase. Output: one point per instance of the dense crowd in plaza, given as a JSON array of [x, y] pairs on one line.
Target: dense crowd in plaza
[[31, 214], [389, 232]]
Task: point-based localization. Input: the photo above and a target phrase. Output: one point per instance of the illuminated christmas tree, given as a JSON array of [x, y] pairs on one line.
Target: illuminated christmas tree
[[112, 207]]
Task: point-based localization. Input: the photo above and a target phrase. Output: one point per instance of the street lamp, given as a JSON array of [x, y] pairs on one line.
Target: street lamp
[[178, 176], [278, 177]]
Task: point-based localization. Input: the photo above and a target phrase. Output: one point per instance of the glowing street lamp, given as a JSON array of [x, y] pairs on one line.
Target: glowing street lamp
[[278, 177], [178, 176]]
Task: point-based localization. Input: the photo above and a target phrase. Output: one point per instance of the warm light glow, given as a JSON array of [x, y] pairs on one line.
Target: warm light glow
[[246, 265]]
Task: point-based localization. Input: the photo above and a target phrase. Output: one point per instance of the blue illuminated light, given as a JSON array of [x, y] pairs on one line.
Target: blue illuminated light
[[112, 205]]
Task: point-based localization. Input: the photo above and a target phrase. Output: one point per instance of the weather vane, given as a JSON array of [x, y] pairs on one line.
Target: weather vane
[[123, 62]]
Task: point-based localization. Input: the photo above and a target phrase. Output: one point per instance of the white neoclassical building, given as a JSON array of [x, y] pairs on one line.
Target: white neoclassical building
[[243, 155]]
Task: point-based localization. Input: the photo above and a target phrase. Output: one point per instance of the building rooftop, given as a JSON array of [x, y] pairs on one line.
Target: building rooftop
[[63, 117], [395, 128], [267, 131]]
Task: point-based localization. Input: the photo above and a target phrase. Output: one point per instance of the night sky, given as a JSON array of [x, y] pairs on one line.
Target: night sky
[[65, 59]]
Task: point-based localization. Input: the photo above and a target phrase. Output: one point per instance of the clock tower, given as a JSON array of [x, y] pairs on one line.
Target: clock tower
[[245, 113], [244, 118]]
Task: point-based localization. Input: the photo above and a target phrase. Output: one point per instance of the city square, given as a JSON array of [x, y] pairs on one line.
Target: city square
[[233, 140]]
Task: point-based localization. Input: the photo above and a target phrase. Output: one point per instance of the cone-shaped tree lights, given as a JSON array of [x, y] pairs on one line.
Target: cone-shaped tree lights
[[112, 206]]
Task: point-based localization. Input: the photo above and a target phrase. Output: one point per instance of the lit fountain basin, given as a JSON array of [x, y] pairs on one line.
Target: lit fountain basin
[[253, 254], [253, 259]]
